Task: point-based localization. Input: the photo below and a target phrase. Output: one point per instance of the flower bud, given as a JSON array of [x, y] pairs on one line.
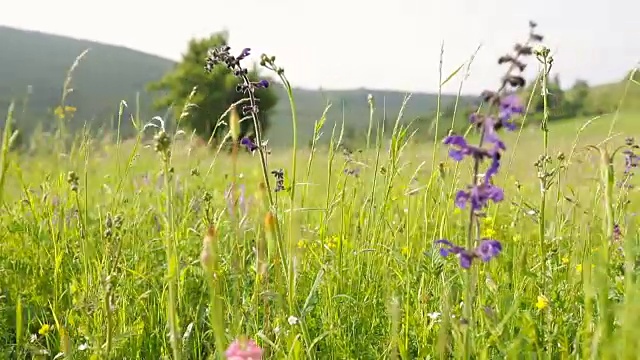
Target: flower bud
[[234, 123]]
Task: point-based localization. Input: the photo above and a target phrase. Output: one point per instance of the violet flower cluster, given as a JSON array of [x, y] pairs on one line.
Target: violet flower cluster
[[631, 161], [222, 55], [504, 106]]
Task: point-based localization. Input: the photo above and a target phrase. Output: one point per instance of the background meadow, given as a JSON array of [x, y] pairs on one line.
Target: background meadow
[[102, 251]]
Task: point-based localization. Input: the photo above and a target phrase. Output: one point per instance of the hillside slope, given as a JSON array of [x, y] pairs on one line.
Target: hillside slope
[[109, 74], [106, 75]]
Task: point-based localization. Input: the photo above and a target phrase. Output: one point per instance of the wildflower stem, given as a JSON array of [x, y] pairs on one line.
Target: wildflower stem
[[256, 125], [292, 192], [543, 174], [371, 102], [172, 266]]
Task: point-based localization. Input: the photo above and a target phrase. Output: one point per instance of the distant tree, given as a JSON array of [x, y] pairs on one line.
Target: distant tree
[[216, 91], [559, 106], [580, 92]]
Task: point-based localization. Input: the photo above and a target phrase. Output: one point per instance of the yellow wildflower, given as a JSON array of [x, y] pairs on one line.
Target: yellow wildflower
[[457, 211], [542, 303], [565, 260], [489, 233], [405, 250], [579, 268], [331, 242], [62, 112], [44, 329]]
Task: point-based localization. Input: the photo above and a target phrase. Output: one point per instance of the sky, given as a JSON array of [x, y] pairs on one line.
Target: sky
[[378, 44]]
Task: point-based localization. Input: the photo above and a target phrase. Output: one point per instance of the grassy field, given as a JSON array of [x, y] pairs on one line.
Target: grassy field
[[99, 252]]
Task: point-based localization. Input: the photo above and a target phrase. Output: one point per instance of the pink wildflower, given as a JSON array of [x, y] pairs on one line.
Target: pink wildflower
[[244, 350]]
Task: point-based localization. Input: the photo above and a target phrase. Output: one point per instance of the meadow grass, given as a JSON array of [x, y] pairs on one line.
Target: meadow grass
[[100, 249]]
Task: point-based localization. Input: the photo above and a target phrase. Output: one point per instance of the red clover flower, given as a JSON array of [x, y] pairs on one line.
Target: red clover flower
[[243, 350]]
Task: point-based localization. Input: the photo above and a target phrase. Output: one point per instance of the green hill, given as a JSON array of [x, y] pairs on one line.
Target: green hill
[[608, 97], [106, 75], [109, 74]]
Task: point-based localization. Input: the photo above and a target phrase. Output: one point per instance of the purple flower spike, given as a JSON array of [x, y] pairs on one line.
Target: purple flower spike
[[488, 249], [617, 233]]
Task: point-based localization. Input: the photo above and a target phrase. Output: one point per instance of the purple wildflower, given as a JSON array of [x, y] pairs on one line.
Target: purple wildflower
[[479, 195], [460, 149], [631, 161], [617, 233], [249, 144], [449, 248], [279, 175], [262, 84], [486, 250], [503, 107], [510, 105]]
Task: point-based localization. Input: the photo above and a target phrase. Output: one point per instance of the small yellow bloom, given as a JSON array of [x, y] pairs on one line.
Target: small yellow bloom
[[44, 329], [62, 112], [302, 244], [565, 260], [457, 211], [489, 233], [516, 237], [542, 303], [405, 250], [579, 268], [331, 242]]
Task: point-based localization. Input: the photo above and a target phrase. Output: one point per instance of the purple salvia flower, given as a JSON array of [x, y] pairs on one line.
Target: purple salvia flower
[[510, 105], [479, 195], [487, 250], [631, 160], [617, 233], [244, 53], [466, 259], [249, 144], [460, 149], [262, 84], [279, 175], [449, 248]]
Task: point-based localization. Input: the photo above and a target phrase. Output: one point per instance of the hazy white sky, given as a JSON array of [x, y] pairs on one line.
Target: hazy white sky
[[380, 44]]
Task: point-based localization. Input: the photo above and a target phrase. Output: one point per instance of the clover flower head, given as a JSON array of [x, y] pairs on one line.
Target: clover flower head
[[243, 350]]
